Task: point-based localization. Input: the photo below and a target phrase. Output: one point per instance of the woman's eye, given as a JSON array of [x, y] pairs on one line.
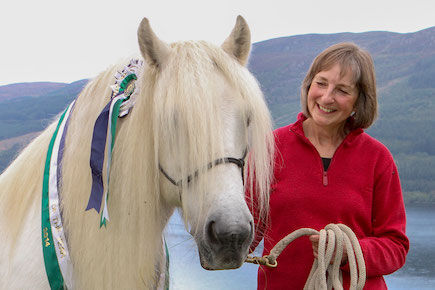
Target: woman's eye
[[344, 92], [321, 84]]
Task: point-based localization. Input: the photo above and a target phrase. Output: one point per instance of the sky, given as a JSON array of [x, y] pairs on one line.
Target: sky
[[65, 41]]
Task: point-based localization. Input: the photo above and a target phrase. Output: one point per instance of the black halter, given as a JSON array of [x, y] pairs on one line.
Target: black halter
[[239, 162]]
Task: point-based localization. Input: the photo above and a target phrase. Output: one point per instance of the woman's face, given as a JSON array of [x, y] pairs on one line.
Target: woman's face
[[331, 98]]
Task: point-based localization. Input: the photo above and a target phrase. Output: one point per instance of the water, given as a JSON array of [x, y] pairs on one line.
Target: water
[[187, 273], [419, 270]]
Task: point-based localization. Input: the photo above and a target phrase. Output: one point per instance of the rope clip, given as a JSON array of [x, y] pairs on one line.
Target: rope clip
[[265, 261]]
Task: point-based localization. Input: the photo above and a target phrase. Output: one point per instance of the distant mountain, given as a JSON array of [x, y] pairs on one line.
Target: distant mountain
[[35, 89], [280, 64], [72, 89], [405, 68], [25, 114]]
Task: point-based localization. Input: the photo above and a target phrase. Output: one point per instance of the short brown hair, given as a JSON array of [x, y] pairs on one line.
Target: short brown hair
[[350, 57]]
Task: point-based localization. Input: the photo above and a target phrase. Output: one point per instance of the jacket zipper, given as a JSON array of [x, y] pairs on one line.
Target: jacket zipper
[[324, 172], [325, 177]]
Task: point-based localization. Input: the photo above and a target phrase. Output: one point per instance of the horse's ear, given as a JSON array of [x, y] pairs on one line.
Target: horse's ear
[[153, 50], [238, 44]]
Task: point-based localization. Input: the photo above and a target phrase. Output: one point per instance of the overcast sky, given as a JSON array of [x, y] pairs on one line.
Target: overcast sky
[[64, 41]]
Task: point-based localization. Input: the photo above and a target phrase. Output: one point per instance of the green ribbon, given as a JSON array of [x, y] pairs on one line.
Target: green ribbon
[[167, 267], [125, 83], [113, 120], [52, 268]]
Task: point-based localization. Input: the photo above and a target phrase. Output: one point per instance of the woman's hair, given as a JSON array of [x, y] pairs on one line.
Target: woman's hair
[[359, 62]]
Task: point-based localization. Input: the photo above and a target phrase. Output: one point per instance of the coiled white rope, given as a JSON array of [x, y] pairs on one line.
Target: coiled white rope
[[324, 274]]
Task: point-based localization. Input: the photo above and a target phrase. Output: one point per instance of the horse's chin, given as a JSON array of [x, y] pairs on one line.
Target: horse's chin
[[225, 258]]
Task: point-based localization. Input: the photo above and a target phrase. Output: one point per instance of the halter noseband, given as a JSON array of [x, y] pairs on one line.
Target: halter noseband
[[240, 162]]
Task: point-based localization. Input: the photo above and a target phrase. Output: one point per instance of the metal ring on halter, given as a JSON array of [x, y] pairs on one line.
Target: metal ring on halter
[[240, 162]]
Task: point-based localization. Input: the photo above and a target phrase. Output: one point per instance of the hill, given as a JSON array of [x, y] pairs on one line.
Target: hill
[[35, 89], [405, 68], [280, 64], [32, 108]]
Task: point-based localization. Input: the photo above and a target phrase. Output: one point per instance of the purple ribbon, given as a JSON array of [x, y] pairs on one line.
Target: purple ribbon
[[60, 154], [98, 147]]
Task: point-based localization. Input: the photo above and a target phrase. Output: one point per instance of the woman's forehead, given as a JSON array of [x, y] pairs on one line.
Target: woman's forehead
[[348, 67], [336, 73]]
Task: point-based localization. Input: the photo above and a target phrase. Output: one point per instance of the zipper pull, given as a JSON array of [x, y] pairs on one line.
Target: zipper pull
[[325, 178]]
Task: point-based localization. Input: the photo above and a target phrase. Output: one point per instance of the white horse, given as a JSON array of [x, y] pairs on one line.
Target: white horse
[[196, 103]]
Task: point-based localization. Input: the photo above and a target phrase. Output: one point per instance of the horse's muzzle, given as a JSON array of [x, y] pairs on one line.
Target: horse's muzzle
[[225, 245]]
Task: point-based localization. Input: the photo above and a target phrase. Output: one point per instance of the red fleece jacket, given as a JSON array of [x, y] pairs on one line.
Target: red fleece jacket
[[360, 189]]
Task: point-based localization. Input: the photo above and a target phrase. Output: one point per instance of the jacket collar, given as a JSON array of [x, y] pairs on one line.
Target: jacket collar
[[298, 129]]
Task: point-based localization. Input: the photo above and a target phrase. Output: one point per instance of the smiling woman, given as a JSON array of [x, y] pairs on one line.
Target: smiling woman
[[327, 170]]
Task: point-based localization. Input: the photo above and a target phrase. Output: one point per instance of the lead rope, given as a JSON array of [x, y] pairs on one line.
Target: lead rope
[[323, 274]]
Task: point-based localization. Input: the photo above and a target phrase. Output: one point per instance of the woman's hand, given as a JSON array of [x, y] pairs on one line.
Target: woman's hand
[[314, 239]]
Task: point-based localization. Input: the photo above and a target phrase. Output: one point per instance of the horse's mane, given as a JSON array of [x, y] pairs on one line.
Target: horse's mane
[[169, 105]]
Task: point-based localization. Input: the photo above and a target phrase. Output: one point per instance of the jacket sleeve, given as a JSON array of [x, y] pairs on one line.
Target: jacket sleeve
[[385, 250]]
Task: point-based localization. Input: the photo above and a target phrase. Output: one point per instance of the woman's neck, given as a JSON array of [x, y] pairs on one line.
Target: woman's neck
[[325, 139]]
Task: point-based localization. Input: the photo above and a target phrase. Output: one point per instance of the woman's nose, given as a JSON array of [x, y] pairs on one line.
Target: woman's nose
[[328, 95]]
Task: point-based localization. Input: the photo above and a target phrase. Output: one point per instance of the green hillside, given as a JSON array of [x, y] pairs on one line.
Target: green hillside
[[405, 68], [20, 115]]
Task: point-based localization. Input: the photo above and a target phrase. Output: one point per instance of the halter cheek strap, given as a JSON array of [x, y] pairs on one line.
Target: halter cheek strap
[[240, 162]]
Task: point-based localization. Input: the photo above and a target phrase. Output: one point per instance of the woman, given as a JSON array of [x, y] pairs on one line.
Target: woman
[[327, 170]]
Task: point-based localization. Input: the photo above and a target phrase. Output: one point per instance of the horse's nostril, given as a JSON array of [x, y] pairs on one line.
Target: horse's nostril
[[211, 232], [222, 235]]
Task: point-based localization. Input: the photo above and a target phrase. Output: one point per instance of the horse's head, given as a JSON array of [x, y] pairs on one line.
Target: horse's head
[[208, 111]]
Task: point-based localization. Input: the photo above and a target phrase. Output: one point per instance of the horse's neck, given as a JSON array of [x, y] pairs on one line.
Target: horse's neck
[[127, 252]]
